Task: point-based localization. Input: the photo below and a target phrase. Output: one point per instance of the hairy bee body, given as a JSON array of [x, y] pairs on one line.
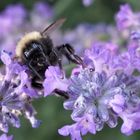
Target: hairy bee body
[[37, 52]]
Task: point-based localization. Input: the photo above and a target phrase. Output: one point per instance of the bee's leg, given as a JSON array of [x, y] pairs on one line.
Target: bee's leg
[[56, 58], [69, 52], [35, 84], [61, 93]]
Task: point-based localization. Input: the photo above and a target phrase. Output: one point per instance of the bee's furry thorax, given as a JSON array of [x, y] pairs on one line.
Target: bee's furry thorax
[[25, 39]]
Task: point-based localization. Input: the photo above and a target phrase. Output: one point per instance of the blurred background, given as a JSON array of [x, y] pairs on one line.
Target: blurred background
[[87, 21]]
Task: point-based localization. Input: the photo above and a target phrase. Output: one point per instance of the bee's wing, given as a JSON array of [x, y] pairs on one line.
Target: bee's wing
[[52, 27]]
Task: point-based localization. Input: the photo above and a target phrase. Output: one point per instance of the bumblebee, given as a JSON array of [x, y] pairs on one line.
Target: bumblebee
[[37, 52]]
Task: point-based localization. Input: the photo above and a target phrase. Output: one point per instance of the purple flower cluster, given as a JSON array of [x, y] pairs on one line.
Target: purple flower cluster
[[97, 98], [129, 21], [125, 18], [108, 88], [15, 95]]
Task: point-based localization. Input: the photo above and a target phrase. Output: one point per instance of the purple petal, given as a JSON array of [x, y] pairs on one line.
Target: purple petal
[[127, 126], [5, 137], [54, 80], [86, 124], [70, 130], [6, 59], [64, 130], [117, 103]]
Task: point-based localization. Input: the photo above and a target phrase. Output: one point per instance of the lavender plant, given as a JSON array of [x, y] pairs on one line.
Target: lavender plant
[[16, 94], [100, 92], [110, 90]]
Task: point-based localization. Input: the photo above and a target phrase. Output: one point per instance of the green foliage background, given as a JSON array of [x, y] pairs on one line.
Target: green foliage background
[[50, 110]]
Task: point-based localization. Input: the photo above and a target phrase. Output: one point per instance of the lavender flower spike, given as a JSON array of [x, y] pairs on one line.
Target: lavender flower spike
[[101, 55], [14, 100], [5, 137], [126, 19], [89, 93], [84, 94], [97, 98]]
